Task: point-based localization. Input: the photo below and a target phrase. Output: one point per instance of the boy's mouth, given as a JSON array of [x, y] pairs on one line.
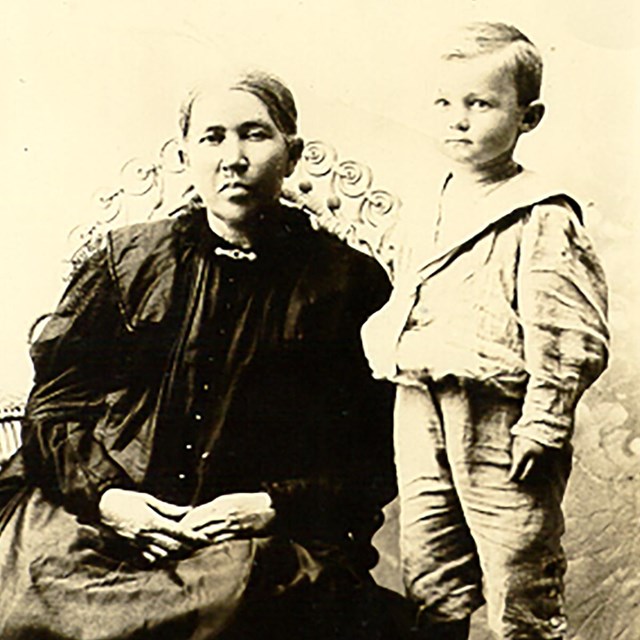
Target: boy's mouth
[[458, 141]]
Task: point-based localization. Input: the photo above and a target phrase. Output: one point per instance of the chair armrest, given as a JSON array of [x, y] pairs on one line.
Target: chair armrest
[[11, 414]]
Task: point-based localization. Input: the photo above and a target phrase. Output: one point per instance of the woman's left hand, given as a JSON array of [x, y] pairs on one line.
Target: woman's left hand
[[234, 515]]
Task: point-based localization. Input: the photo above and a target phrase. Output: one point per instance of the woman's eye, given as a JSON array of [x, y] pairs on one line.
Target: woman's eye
[[212, 138], [257, 134], [441, 102]]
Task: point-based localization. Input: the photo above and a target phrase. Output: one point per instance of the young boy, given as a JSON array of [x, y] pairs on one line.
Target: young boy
[[493, 332]]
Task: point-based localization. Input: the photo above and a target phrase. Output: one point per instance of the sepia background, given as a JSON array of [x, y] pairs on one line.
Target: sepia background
[[87, 85]]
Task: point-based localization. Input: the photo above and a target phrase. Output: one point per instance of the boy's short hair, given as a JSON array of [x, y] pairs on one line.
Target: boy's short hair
[[522, 56]]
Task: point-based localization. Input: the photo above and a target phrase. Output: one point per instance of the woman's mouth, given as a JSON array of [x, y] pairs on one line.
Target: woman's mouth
[[235, 188]]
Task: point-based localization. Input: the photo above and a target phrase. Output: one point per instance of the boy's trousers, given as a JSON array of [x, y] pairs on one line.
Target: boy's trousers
[[468, 533]]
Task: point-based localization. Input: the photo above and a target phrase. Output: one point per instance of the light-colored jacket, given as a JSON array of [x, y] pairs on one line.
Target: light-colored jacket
[[518, 302]]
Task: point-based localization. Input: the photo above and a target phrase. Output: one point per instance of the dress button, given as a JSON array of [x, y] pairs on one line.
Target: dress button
[[188, 446], [205, 455], [205, 387], [181, 476], [197, 416]]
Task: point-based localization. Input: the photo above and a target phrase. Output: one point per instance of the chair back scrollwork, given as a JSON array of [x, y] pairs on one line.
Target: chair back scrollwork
[[341, 197], [338, 195]]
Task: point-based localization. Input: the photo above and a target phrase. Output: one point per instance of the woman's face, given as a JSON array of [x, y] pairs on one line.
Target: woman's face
[[236, 156]]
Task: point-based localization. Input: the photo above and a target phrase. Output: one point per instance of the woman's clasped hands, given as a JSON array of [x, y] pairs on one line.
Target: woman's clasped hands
[[160, 529]]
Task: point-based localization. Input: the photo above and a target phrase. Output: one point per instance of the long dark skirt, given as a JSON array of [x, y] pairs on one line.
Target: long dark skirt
[[61, 579]]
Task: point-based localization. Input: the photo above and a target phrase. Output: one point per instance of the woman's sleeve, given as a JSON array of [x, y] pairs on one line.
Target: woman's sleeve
[[562, 302], [72, 358], [357, 478], [347, 496]]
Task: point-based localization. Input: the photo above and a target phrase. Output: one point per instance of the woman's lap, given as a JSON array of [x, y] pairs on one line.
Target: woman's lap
[[60, 579], [59, 575]]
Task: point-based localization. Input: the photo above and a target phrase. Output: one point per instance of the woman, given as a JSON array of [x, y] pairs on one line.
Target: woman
[[204, 453]]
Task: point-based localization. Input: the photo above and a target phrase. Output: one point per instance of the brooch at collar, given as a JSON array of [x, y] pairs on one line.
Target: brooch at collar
[[235, 254]]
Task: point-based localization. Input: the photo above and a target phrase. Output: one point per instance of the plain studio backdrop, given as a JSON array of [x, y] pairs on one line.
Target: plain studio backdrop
[[87, 85]]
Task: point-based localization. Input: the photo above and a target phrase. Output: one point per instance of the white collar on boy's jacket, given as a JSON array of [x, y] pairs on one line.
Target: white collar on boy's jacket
[[522, 191], [412, 266]]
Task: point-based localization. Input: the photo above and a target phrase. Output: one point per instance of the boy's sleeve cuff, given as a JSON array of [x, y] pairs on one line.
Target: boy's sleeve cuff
[[545, 434]]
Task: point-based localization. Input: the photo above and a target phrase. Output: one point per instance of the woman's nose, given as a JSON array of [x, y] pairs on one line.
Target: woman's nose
[[233, 157]]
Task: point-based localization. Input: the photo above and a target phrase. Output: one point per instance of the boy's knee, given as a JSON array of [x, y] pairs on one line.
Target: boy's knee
[[443, 604], [527, 601]]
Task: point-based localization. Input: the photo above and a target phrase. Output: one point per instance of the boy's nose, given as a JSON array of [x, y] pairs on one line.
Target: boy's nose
[[460, 123]]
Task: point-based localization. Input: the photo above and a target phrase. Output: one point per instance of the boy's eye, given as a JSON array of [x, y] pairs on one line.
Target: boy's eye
[[479, 104], [441, 102]]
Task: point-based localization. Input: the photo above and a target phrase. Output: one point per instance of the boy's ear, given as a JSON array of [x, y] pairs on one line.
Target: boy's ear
[[531, 117]]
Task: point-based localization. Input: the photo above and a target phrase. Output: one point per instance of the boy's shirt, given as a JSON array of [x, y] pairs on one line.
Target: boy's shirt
[[515, 298]]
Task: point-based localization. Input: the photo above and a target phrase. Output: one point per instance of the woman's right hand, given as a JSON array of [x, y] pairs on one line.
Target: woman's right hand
[[150, 524]]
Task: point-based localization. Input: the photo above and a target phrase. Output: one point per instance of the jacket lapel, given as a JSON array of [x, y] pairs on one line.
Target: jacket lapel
[[510, 199]]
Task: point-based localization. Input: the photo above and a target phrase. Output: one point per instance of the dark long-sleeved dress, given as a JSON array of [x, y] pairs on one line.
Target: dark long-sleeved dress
[[179, 367]]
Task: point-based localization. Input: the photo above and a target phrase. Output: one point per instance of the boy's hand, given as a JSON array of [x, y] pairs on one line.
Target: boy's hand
[[379, 349], [381, 332], [524, 453]]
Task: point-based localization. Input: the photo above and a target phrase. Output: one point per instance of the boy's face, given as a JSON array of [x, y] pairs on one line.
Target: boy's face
[[476, 119]]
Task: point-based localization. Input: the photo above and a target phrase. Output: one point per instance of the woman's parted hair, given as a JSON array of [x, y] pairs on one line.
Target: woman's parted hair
[[522, 57], [268, 88]]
